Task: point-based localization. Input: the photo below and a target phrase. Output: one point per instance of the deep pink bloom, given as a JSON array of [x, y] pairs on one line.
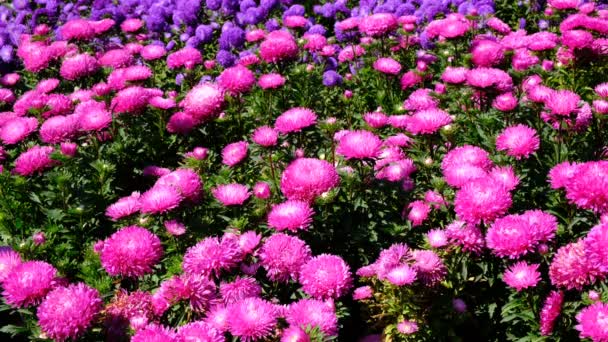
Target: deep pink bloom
[[596, 247], [160, 199], [521, 275], [313, 313], [271, 81], [401, 275], [429, 266], [482, 200], [131, 252], [133, 100], [78, 29], [92, 115], [420, 99], [454, 75], [418, 212], [562, 174], [293, 215], [239, 289], [237, 79], [467, 154], [428, 121], [78, 66], [377, 25], [570, 268], [199, 331], [59, 128], [211, 255], [294, 334], [375, 119], [16, 129], [505, 102], [28, 283], [67, 312], [234, 153], [186, 57], [175, 227], [562, 102], [550, 311], [277, 46], [362, 293], [37, 158], [387, 66], [359, 145], [261, 190], [409, 79], [181, 123], [325, 276], [153, 333], [116, 58], [487, 53], [186, 181], [265, 136], [489, 77], [252, 319], [231, 194], [204, 101], [8, 260], [591, 322], [465, 235], [307, 178], [131, 25], [152, 52], [295, 119], [407, 327], [125, 206], [588, 186], [282, 256], [437, 238]]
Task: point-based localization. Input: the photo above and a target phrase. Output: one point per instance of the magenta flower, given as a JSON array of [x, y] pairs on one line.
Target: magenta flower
[[550, 311], [519, 141], [239, 289], [186, 181], [125, 206], [36, 159], [418, 213], [277, 46], [175, 227], [359, 145], [428, 121], [231, 194], [252, 319], [234, 153], [204, 102], [153, 333], [562, 102], [387, 66], [591, 322], [407, 327], [377, 25], [186, 57], [521, 275], [362, 293], [402, 275], [92, 115], [466, 236], [59, 128], [78, 66], [570, 268], [211, 255], [307, 178], [271, 81], [16, 129], [486, 53], [596, 247], [282, 256], [437, 238], [293, 215], [429, 266], [199, 331], [131, 252], [295, 119], [237, 79], [482, 200], [28, 283], [160, 199], [67, 312], [313, 313], [9, 259], [265, 136]]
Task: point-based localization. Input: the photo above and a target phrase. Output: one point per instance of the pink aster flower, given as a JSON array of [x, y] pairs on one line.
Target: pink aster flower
[[519, 141], [9, 259], [455, 25], [401, 275], [588, 186], [486, 53], [234, 153], [454, 75], [153, 333], [570, 268], [160, 199], [271, 81], [437, 238], [186, 57], [181, 123], [562, 174], [596, 247], [467, 236], [36, 159], [313, 313], [362, 293], [410, 79], [295, 119], [282, 256], [133, 100], [359, 145], [418, 212], [277, 46], [489, 77], [186, 181], [211, 255], [407, 327], [231, 194], [375, 119], [125, 206], [204, 101], [265, 136], [292, 215], [428, 121], [307, 178], [16, 129], [239, 289], [505, 102], [429, 266], [237, 79], [199, 331], [131, 25], [325, 276], [562, 102], [521, 275], [68, 149], [602, 89], [77, 29], [59, 128], [28, 283], [294, 334], [420, 99], [261, 190], [377, 25], [152, 52], [550, 311], [387, 66], [481, 200], [116, 58], [131, 252], [592, 322], [92, 115], [77, 66], [175, 227], [67, 312], [47, 85], [511, 236], [252, 319], [466, 154]]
